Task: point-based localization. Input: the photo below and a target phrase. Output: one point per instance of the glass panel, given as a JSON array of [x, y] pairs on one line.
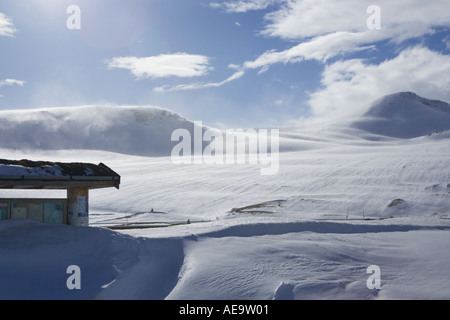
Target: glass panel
[[35, 211], [4, 210], [54, 212], [19, 210]]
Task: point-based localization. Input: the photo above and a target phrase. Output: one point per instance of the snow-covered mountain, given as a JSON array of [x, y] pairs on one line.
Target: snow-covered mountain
[[147, 130], [345, 197], [405, 115], [143, 130], [351, 166]]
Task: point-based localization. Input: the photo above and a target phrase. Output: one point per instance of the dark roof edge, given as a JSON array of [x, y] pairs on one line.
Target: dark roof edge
[[74, 169]]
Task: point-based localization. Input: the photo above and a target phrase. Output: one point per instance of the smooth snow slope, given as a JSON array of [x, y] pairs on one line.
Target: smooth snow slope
[[361, 178]]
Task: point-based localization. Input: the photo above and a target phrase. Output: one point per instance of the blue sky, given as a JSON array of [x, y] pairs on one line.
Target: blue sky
[[236, 63]]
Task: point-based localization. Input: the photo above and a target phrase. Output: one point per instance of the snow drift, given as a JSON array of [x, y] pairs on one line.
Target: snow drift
[[34, 258], [302, 260]]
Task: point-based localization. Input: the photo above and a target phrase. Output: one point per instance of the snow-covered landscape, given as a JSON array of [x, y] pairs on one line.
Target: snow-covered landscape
[[373, 190]]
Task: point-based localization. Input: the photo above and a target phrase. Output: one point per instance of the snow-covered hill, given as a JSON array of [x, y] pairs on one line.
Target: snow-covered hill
[[343, 199], [147, 130], [405, 115], [323, 170], [142, 130]]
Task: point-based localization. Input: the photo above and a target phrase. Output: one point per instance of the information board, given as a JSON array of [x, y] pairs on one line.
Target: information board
[[19, 211], [54, 212], [35, 211]]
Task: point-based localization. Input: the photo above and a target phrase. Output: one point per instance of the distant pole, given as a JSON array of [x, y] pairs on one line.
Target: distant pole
[[347, 214]]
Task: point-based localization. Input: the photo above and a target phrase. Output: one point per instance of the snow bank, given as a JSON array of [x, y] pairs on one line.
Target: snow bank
[[304, 260], [34, 259], [312, 261]]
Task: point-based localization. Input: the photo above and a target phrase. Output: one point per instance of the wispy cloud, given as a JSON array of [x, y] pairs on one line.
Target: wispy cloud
[[319, 30], [244, 6], [325, 29], [446, 41], [182, 65], [299, 20], [320, 48], [6, 26], [11, 82], [197, 86]]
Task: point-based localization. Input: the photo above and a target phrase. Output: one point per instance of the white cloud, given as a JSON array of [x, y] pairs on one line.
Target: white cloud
[[309, 18], [6, 26], [164, 65], [300, 19], [326, 28], [347, 86], [320, 48], [11, 82], [446, 41], [196, 86], [244, 6]]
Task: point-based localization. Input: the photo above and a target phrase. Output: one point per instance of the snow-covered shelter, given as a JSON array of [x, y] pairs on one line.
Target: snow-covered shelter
[[76, 178]]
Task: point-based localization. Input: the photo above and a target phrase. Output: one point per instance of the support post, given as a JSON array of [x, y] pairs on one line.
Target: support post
[[78, 206]]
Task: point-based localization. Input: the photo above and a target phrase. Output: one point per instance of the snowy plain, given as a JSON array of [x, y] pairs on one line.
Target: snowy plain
[[345, 198]]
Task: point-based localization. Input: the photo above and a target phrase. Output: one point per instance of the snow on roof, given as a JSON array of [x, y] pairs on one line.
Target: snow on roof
[[53, 169]]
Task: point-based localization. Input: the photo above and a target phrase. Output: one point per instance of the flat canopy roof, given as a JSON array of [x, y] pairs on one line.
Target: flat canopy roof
[[26, 174]]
